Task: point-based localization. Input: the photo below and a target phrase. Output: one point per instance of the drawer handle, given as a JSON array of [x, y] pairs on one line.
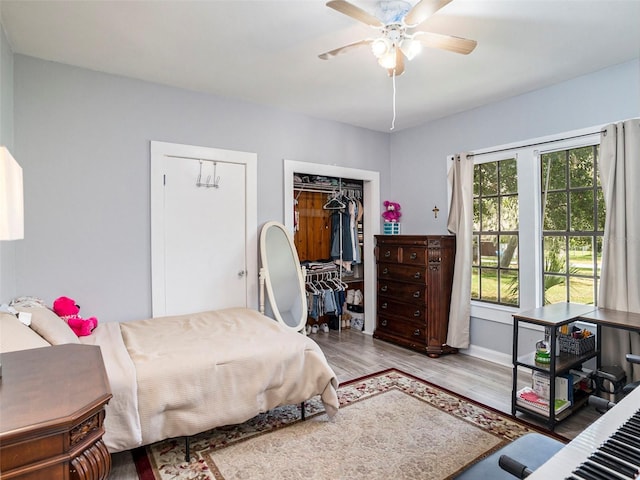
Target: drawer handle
[[385, 270], [384, 288], [413, 256], [416, 294], [384, 306], [417, 275], [416, 332], [387, 253], [383, 323], [416, 313]]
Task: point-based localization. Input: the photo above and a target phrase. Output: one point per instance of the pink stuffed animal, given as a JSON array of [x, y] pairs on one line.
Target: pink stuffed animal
[[392, 211], [67, 309]]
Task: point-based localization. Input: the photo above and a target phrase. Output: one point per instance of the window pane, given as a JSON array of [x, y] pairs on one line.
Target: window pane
[[581, 258], [509, 287], [489, 284], [598, 255], [489, 215], [475, 283], [476, 250], [489, 251], [581, 290], [508, 176], [555, 289], [582, 210], [600, 213], [554, 175], [476, 215], [581, 167], [489, 178], [509, 213], [554, 254], [509, 251], [555, 212], [477, 171]]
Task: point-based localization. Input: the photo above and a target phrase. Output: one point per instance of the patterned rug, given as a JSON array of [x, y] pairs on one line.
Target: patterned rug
[[390, 425]]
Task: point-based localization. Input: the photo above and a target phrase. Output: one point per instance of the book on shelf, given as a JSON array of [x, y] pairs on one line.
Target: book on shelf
[[528, 398], [564, 386]]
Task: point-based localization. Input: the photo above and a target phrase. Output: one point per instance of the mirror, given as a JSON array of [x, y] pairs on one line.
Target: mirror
[[282, 276]]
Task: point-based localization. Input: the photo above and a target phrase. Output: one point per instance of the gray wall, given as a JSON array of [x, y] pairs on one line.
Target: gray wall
[[83, 140], [419, 155], [7, 249]]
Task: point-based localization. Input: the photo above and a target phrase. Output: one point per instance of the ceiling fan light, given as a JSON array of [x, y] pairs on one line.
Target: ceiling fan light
[[410, 48], [388, 60], [379, 47]]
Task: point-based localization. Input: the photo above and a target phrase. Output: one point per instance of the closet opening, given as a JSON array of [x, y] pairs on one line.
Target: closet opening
[[328, 235], [333, 213]]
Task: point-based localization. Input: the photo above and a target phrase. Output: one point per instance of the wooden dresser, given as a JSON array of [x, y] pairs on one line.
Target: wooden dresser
[[52, 412], [414, 277]]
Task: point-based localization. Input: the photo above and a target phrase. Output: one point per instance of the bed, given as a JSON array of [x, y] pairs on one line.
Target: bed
[[180, 375]]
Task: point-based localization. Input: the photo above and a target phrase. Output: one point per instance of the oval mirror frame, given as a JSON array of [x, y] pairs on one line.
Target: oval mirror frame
[[282, 276]]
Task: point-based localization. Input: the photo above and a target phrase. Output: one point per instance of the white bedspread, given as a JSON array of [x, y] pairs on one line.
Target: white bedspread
[[122, 422], [196, 372]]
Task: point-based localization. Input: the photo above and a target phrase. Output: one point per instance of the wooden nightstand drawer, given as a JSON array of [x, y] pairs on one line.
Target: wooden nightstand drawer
[[413, 256], [405, 273], [387, 253], [414, 293], [415, 313], [402, 328]]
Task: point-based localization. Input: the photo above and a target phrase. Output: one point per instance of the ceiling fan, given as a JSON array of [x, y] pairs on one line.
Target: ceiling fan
[[396, 21]]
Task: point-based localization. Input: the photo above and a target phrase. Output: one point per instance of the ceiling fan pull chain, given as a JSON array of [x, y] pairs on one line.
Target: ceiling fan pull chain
[[393, 121]]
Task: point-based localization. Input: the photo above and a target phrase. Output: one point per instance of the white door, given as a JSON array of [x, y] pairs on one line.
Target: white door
[[202, 259]]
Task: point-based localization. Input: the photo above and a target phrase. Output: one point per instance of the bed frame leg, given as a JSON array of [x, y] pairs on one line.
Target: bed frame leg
[[302, 412], [187, 453]]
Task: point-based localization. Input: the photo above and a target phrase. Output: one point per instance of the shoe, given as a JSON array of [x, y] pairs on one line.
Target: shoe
[[357, 298], [350, 294], [307, 329], [314, 329], [325, 328]]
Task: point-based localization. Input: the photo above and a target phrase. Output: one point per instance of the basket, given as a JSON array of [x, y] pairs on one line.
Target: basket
[[577, 346], [391, 228]]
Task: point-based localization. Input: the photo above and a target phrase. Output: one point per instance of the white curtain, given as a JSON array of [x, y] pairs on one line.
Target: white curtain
[[460, 223], [620, 276]]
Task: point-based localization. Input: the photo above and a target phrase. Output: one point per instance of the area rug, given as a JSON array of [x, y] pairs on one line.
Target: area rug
[[390, 425]]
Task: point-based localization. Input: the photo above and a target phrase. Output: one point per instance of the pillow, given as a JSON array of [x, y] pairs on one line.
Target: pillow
[[50, 326], [15, 335]]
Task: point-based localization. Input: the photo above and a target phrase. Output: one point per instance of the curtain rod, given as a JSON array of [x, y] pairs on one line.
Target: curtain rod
[[534, 144]]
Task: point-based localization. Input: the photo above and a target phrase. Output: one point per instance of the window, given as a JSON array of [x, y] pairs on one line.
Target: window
[[538, 224], [572, 225], [495, 232]]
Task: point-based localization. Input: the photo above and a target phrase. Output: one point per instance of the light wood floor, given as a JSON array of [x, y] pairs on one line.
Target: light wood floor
[[353, 354]]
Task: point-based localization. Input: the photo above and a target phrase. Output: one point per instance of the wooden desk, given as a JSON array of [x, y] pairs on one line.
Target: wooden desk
[[52, 412]]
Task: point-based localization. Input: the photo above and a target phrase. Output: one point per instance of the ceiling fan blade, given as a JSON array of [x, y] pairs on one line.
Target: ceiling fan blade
[[399, 64], [445, 42], [355, 12], [344, 49], [423, 10]]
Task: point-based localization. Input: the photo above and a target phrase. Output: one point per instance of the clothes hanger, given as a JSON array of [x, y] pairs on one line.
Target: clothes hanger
[[334, 203]]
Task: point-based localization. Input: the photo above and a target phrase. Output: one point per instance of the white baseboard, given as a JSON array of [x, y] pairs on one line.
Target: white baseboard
[[489, 355]]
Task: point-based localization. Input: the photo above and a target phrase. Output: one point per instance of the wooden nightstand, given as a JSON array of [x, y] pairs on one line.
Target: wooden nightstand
[[52, 412]]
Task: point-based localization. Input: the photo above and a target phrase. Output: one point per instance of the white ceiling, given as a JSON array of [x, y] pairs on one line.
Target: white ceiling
[[266, 51]]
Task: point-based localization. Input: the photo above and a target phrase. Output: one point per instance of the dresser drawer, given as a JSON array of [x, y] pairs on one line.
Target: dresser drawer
[[414, 313], [413, 256], [408, 330], [388, 253], [406, 292], [404, 273]]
